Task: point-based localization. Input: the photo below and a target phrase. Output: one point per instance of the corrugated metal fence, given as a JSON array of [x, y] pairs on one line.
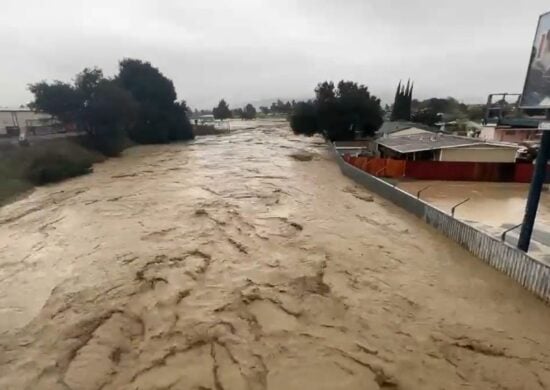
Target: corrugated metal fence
[[531, 273]]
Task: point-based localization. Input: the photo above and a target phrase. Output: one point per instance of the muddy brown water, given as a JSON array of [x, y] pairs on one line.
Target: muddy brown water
[[493, 204], [234, 262]]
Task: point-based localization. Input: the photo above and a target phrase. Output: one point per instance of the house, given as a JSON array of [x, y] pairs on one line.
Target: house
[[444, 147], [15, 121], [516, 130]]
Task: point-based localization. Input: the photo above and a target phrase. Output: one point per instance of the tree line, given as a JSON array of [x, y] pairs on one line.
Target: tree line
[[138, 104], [430, 111], [223, 111]]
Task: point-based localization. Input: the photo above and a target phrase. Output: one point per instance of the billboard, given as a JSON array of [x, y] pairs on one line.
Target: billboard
[[536, 91]]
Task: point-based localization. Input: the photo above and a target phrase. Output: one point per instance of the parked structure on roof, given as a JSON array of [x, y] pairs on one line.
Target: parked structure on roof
[[460, 127], [504, 121], [444, 147]]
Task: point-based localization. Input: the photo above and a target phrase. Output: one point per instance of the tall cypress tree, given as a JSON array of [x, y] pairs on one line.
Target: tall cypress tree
[[396, 101], [402, 103]]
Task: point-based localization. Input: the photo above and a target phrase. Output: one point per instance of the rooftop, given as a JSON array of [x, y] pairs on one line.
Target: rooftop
[[420, 142], [15, 109], [389, 127]]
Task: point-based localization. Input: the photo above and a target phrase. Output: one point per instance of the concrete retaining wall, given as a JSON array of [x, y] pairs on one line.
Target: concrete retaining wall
[[531, 273]]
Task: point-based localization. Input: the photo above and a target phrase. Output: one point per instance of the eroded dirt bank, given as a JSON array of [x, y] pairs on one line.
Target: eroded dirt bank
[[235, 262]]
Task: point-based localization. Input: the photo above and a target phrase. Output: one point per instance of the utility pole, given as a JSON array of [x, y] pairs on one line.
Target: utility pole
[[539, 176]]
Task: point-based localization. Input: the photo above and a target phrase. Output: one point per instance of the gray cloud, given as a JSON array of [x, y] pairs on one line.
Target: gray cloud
[[254, 49]]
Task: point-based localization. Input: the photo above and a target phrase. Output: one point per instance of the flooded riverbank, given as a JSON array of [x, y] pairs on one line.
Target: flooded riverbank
[[247, 261]]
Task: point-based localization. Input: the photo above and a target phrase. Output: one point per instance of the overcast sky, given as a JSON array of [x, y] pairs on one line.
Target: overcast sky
[[249, 50]]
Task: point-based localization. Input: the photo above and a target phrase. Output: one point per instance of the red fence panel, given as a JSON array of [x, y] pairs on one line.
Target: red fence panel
[[523, 173], [395, 168], [465, 171], [445, 170]]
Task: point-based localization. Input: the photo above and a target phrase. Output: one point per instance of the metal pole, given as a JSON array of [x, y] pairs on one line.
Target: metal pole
[[504, 233], [539, 175], [420, 191], [458, 204]]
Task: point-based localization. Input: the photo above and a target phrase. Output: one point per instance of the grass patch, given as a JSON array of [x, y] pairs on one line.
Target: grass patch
[[22, 168]]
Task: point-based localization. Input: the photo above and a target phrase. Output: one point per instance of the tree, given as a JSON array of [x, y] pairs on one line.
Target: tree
[[339, 112], [161, 119], [140, 102], [110, 112], [237, 113], [304, 119], [264, 110], [280, 107], [249, 112], [222, 111], [402, 103], [476, 112], [426, 116], [448, 106], [59, 99], [87, 81]]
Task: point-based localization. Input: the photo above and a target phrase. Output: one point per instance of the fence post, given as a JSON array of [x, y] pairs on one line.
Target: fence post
[[420, 191], [503, 235], [458, 204]]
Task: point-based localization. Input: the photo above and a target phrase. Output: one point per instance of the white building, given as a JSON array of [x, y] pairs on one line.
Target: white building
[[15, 121]]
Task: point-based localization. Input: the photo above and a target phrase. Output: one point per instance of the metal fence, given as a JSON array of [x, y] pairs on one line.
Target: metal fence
[[531, 273]]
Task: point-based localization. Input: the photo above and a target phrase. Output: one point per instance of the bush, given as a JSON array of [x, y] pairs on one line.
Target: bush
[[56, 160], [52, 161], [53, 167]]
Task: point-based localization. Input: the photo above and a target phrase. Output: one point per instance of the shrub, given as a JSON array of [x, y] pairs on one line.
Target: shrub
[[43, 163], [53, 167]]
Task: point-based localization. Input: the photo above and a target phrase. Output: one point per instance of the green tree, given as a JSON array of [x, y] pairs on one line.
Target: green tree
[[264, 110], [160, 119], [222, 111], [340, 112], [87, 82], [402, 104], [237, 113], [426, 116], [280, 107], [249, 112], [110, 112], [476, 112], [59, 99], [139, 102], [304, 119]]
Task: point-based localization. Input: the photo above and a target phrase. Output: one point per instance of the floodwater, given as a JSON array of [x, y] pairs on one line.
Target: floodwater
[[492, 207], [494, 204], [247, 261]]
